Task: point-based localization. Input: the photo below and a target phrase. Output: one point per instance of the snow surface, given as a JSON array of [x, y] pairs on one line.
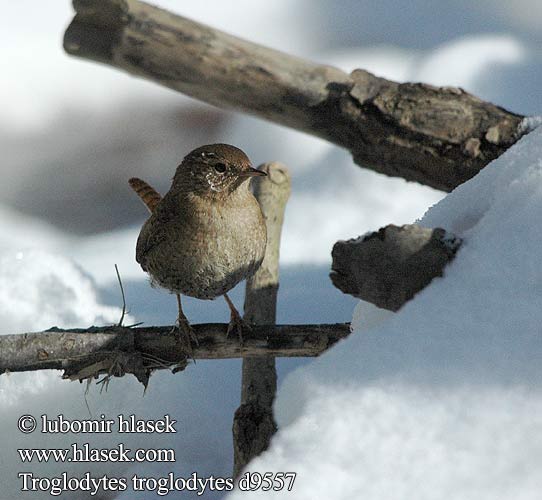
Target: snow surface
[[449, 385], [444, 398]]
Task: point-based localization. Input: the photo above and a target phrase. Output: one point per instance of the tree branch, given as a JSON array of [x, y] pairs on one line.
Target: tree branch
[[253, 422], [84, 353], [440, 137], [388, 267]]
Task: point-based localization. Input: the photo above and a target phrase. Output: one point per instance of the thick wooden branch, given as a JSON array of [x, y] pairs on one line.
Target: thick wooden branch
[[83, 353], [440, 137], [253, 423], [388, 267]]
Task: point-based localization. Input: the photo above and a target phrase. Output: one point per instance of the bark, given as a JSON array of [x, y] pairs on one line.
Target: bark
[[438, 136], [253, 423], [389, 267], [114, 350]]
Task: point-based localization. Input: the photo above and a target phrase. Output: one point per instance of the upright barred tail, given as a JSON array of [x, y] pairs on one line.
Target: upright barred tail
[[147, 193]]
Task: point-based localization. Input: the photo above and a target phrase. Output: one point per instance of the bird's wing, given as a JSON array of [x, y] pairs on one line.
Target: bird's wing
[[155, 230]]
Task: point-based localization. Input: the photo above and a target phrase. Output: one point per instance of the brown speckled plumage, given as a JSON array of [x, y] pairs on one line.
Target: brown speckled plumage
[[207, 233]]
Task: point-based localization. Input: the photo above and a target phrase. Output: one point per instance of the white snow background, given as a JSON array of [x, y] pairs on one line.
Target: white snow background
[[444, 398], [441, 400]]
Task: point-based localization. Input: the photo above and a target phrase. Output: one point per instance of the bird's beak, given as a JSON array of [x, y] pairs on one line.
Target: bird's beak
[[252, 172]]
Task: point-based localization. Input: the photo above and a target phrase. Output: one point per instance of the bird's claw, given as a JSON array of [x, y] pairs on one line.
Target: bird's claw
[[237, 324], [189, 331], [185, 335]]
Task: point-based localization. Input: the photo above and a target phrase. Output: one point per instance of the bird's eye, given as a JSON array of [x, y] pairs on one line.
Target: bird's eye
[[220, 167]]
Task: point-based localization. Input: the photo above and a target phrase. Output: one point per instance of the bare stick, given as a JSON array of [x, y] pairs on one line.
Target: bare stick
[[388, 267], [123, 297], [436, 136], [155, 347], [253, 424]]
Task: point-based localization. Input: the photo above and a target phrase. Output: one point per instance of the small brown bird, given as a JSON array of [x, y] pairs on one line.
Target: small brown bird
[[207, 233]]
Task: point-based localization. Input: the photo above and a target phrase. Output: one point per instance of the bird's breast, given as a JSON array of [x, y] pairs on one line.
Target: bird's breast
[[210, 249]]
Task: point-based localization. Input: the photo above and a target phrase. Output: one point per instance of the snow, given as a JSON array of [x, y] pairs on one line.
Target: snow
[[441, 400], [65, 83], [450, 384], [47, 289], [529, 123], [486, 52], [142, 142], [39, 289]]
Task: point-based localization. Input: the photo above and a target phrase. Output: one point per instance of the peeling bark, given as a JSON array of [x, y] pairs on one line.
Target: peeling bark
[[156, 347], [438, 136], [388, 267]]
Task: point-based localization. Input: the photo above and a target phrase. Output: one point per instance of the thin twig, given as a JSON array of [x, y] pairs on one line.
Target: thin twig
[[123, 297], [73, 350]]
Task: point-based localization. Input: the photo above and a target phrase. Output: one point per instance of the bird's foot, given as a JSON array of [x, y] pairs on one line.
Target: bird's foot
[[237, 324], [185, 336]]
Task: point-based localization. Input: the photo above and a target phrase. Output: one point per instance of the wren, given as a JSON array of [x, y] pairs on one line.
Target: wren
[[207, 233]]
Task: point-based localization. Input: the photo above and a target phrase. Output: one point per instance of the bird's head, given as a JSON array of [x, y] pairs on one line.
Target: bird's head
[[215, 169]]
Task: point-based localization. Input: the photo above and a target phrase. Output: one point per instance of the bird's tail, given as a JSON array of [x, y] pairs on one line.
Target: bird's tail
[[147, 193]]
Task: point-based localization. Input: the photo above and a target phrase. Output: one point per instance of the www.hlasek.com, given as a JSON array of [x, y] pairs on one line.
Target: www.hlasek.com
[[84, 453]]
